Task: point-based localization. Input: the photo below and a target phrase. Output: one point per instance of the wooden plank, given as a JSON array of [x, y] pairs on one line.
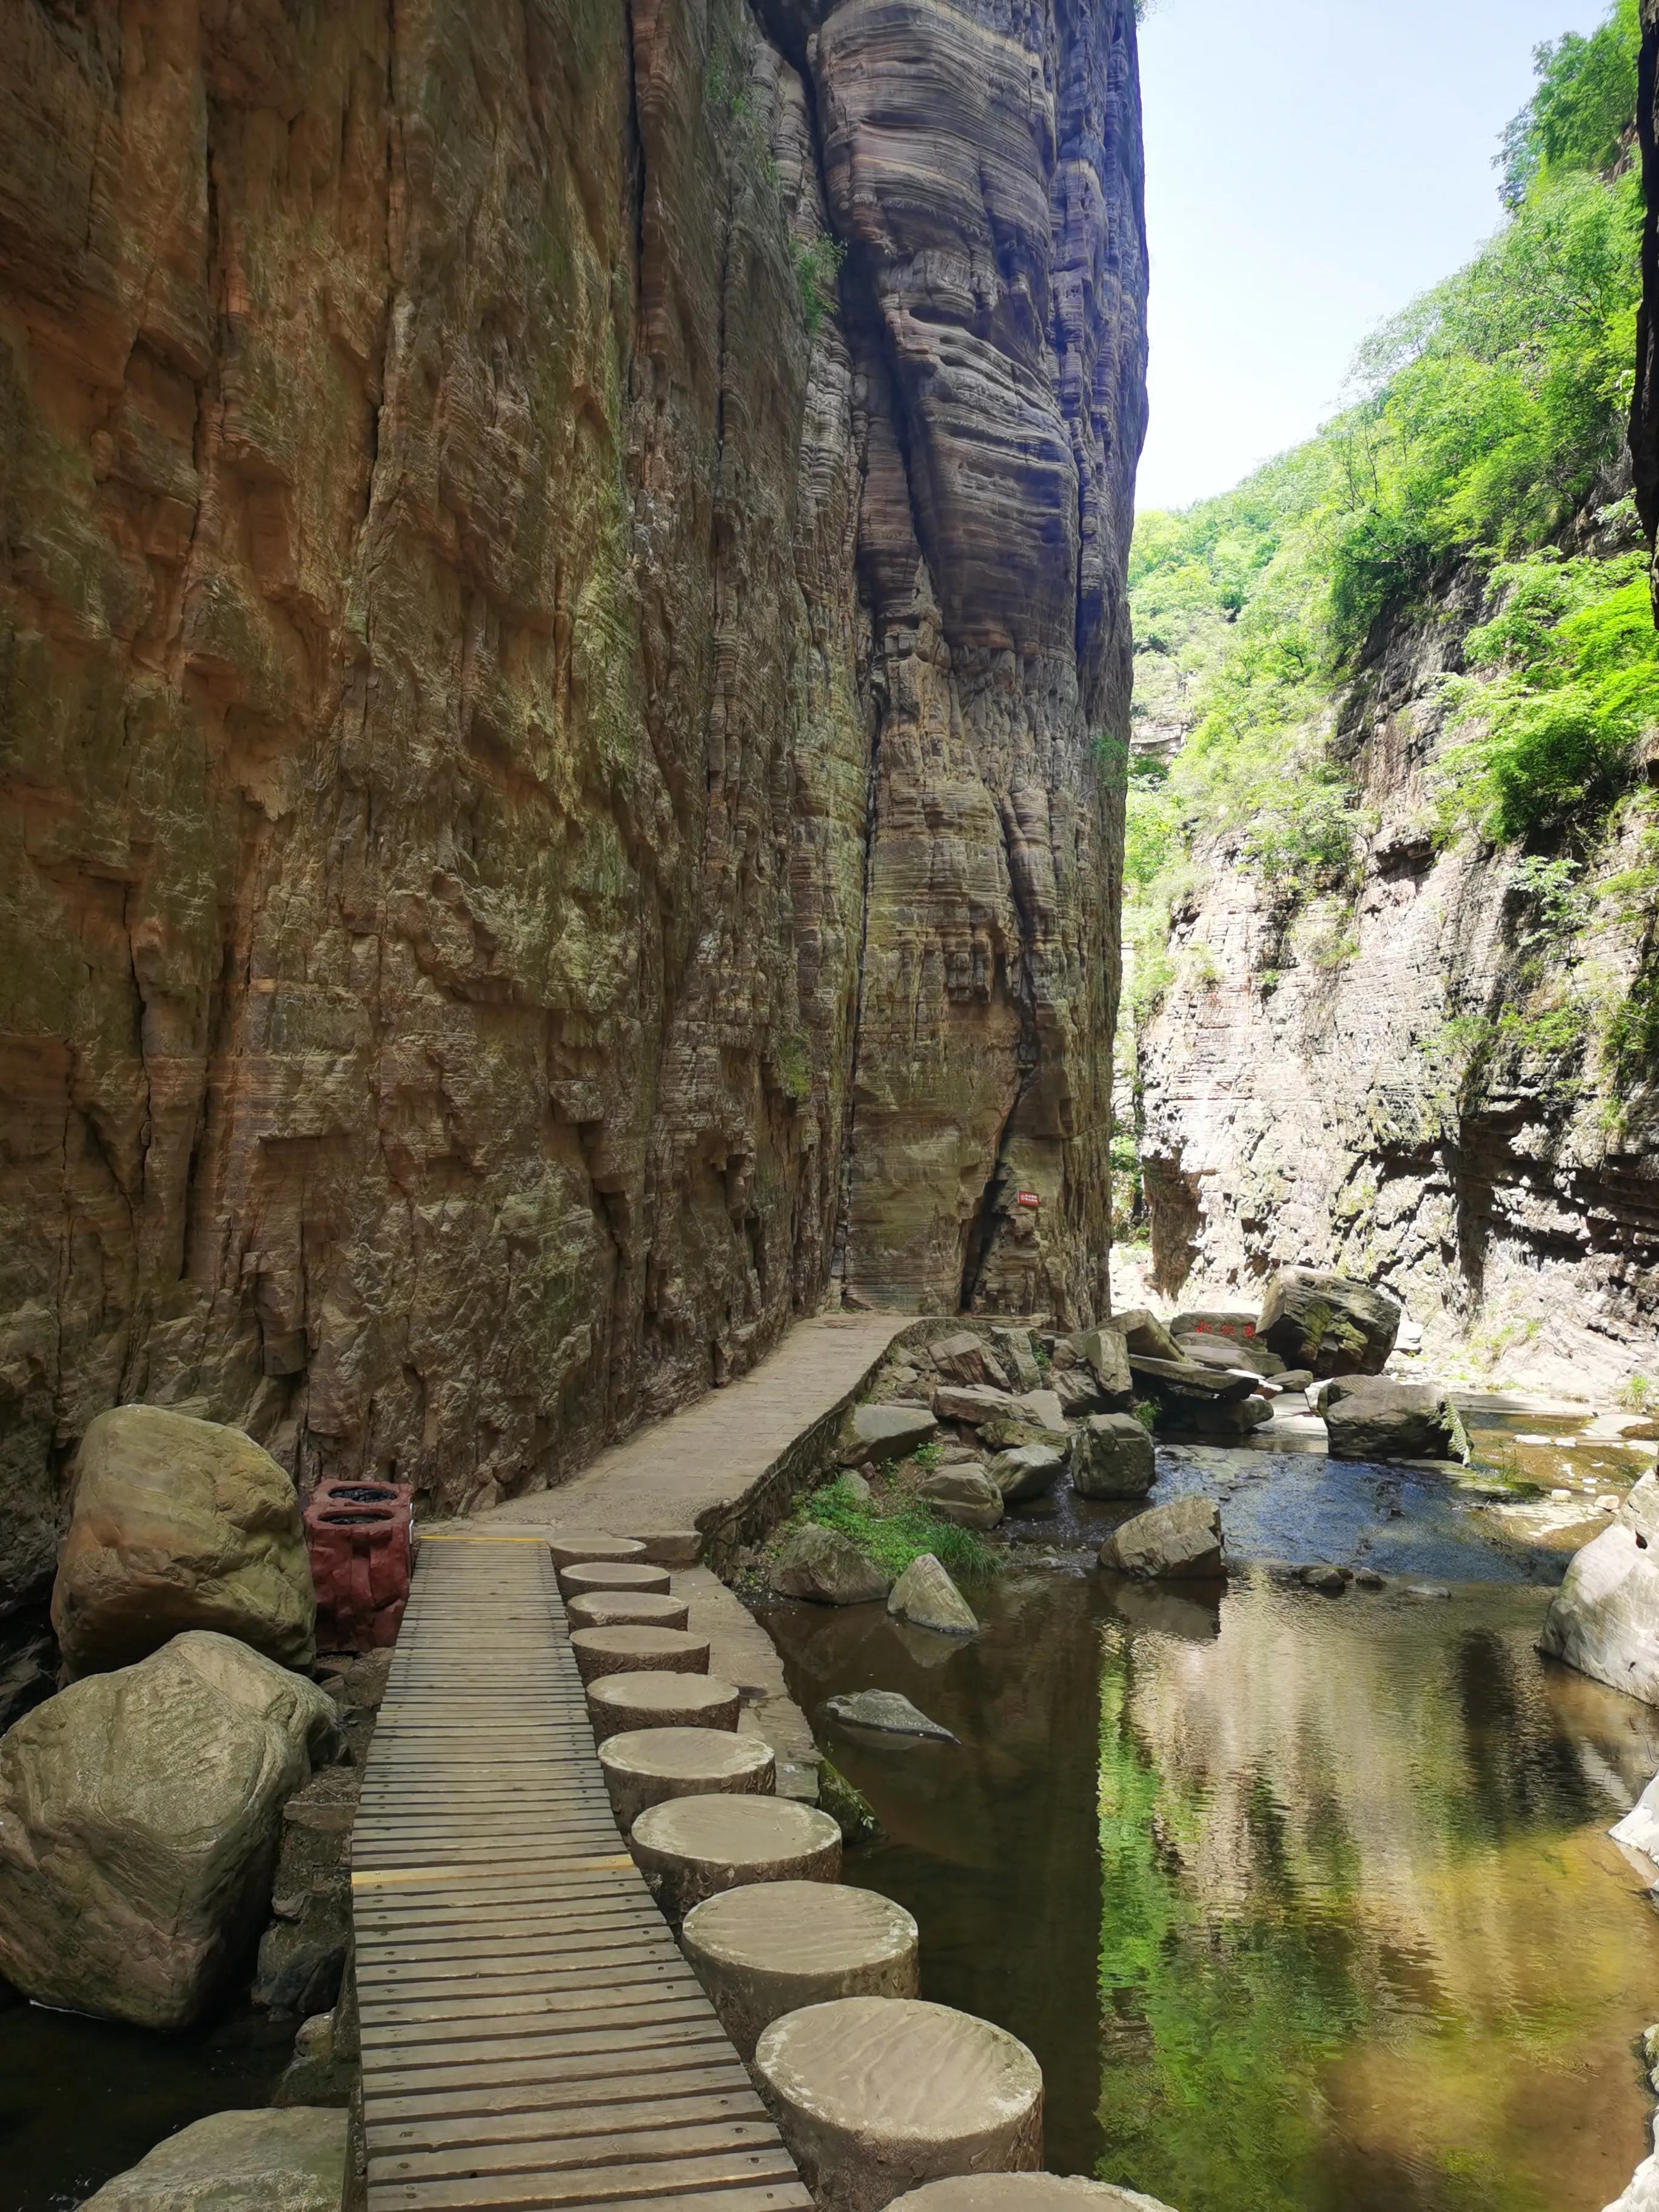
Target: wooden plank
[[531, 2036]]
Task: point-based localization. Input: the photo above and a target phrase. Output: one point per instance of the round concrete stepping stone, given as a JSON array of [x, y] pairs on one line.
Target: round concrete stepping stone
[[614, 1608], [647, 1766], [1023, 2192], [691, 1848], [570, 1548], [876, 2095], [636, 1651], [654, 1699], [627, 1575], [773, 1947]]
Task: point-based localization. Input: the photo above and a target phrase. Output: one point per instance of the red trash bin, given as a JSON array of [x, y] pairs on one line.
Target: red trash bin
[[361, 1539]]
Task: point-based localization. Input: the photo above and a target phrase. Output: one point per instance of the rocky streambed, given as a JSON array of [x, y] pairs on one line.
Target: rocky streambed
[[1303, 1901]]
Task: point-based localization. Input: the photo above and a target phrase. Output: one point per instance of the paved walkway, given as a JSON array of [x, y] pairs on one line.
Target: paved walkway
[[532, 2037], [712, 1466]]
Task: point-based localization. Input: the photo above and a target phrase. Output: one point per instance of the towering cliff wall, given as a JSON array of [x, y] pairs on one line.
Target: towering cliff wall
[[561, 565]]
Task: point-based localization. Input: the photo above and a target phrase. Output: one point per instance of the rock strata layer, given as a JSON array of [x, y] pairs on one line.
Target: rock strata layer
[[560, 574]]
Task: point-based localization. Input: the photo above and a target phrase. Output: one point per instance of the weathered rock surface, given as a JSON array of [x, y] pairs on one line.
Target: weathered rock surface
[[967, 1357], [827, 1567], [1379, 1420], [974, 1404], [515, 674], [926, 1596], [1102, 1353], [1017, 1352], [138, 1827], [965, 1495], [1327, 1323], [886, 1431], [1112, 1457], [1029, 1471], [288, 2161], [1639, 1829], [1604, 1619], [1023, 2192], [177, 1524], [1178, 1542]]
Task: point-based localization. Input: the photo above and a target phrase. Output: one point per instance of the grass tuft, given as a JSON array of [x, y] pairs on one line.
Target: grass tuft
[[895, 1535]]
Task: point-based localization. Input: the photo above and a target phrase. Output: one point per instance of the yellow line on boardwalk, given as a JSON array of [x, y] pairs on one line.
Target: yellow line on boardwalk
[[483, 1540], [387, 1877]]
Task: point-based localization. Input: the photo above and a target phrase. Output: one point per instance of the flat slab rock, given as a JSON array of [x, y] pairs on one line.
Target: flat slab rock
[[286, 2159], [889, 1432], [888, 1712], [872, 2094]]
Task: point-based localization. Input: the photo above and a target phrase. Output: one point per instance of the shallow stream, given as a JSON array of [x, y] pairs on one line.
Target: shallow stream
[[1304, 1904]]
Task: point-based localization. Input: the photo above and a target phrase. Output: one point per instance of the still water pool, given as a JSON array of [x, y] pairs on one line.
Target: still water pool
[[1305, 1904]]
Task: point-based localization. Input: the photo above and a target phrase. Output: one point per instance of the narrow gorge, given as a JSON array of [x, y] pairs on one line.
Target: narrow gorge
[[560, 574]]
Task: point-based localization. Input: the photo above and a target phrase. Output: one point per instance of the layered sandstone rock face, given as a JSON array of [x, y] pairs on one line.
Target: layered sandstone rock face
[[549, 791]]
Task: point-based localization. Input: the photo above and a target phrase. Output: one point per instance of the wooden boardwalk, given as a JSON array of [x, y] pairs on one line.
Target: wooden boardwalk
[[531, 2035]]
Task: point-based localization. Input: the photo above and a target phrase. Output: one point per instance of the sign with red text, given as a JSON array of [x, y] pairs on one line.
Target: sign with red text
[[1030, 1198]]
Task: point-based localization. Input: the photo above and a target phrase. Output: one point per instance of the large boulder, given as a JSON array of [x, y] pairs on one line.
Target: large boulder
[[1029, 1472], [973, 1405], [1112, 1457], [827, 1567], [968, 1359], [884, 1433], [180, 1524], [1178, 1542], [1374, 1419], [926, 1596], [1327, 1323], [266, 2161], [139, 1812], [1189, 1394], [1016, 1351], [1604, 1619], [1103, 1354], [963, 1494], [1145, 1335]]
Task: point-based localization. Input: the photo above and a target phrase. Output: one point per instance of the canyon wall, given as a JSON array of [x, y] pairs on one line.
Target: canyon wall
[[561, 572], [1418, 1082]]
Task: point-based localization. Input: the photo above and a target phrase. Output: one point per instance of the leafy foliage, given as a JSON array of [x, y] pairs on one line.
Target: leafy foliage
[[1486, 415], [896, 1535]]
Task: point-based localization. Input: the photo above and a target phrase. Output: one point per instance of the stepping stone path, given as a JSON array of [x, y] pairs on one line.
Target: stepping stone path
[[647, 1766], [618, 1610], [628, 1650], [577, 1551], [771, 1948], [874, 2095], [613, 1575], [691, 1848], [1023, 2192], [616, 1702]]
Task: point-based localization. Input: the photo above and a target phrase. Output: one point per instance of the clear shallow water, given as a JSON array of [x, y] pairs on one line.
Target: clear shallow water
[[1305, 1904], [81, 2100]]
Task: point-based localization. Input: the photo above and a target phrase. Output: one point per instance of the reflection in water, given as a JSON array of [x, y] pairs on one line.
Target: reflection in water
[[1362, 1943]]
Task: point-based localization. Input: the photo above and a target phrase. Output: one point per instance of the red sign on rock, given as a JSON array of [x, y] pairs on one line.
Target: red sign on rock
[[1030, 1198], [361, 1539]]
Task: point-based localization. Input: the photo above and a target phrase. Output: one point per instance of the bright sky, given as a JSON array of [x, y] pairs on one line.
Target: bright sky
[[1311, 164]]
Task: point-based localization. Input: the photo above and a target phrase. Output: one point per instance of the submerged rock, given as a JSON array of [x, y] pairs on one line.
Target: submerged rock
[[1328, 1323], [180, 1524], [1112, 1457], [138, 1826], [275, 2159], [1604, 1619], [888, 1712], [826, 1567], [964, 1496], [1178, 1542], [926, 1596], [889, 1432]]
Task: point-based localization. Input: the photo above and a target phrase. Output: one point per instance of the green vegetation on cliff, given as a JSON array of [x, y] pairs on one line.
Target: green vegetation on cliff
[[1489, 422]]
